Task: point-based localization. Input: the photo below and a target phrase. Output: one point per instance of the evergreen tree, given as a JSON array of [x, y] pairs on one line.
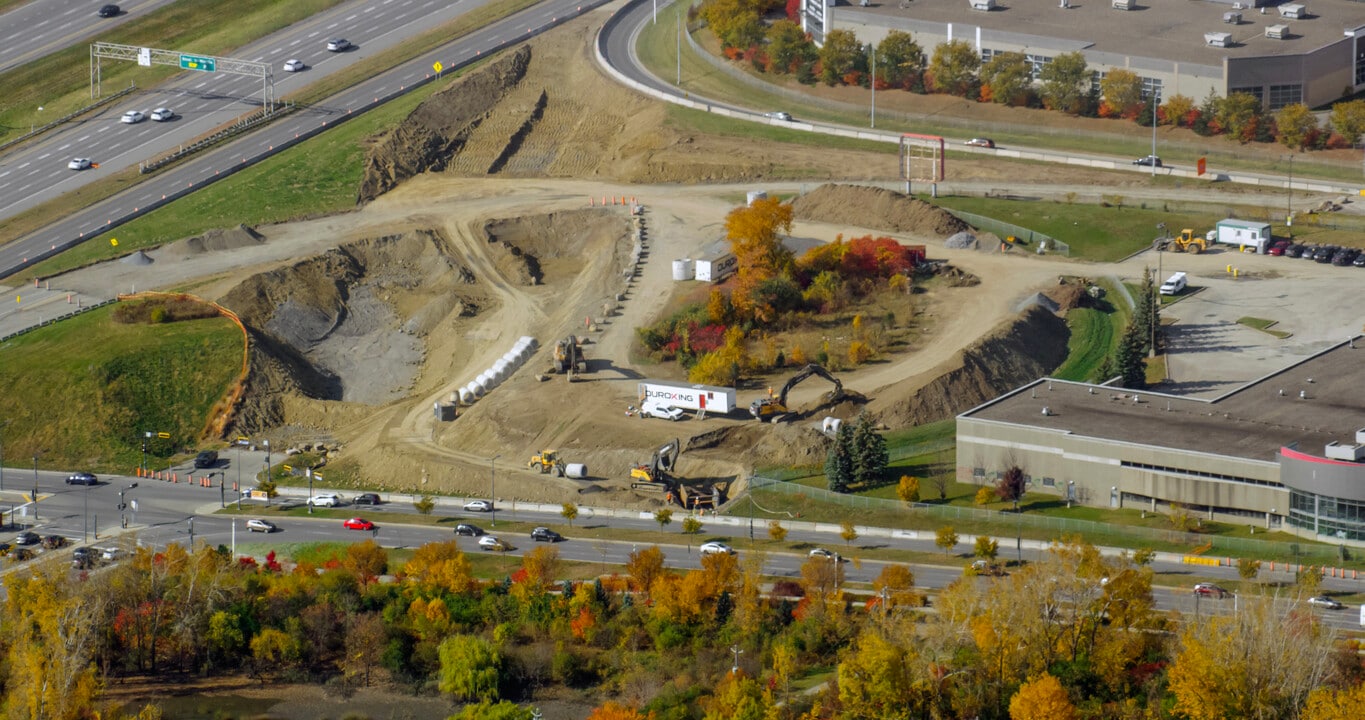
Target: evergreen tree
[[1132, 371], [1142, 314], [869, 452], [839, 461]]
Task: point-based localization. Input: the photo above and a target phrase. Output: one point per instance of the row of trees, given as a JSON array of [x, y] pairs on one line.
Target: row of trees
[[857, 458], [1066, 84], [1075, 635]]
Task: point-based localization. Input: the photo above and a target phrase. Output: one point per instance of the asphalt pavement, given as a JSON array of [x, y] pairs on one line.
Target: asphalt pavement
[[41, 27]]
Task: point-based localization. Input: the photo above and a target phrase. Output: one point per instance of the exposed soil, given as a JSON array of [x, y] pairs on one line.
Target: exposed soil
[[876, 208]]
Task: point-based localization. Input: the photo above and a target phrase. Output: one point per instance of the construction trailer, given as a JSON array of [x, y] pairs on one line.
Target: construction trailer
[[1243, 233], [687, 396]]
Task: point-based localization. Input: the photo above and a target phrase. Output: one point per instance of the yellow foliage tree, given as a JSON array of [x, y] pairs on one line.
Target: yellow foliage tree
[[440, 567], [738, 697], [984, 496], [755, 234], [1331, 704], [722, 366], [1043, 698], [858, 353], [798, 356], [874, 679], [908, 489], [644, 567], [541, 567], [49, 644], [776, 532], [367, 560], [718, 308], [614, 711]]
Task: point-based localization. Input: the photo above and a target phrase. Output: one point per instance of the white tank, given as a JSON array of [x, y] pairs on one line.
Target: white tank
[[576, 470], [466, 395], [831, 424], [484, 380], [475, 389], [682, 269], [530, 340], [511, 358], [503, 369], [755, 195]]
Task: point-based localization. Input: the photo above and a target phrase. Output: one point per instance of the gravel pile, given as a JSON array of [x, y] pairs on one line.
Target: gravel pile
[[961, 241]]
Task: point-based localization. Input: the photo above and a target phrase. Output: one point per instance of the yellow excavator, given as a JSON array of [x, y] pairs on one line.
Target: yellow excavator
[[655, 473], [774, 409], [569, 357], [547, 461]]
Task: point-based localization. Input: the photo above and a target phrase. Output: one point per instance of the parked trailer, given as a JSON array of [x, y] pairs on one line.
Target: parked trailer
[[715, 268], [1249, 233], [687, 396]]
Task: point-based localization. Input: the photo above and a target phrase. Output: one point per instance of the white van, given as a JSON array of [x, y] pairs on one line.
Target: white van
[[1173, 285]]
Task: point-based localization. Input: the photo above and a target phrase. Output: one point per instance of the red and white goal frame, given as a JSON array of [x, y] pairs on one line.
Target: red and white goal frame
[[921, 158]]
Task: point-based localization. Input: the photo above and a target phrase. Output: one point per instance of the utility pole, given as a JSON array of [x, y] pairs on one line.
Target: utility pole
[[35, 489], [1154, 129], [493, 490], [1289, 202], [873, 84], [191, 535], [751, 515]]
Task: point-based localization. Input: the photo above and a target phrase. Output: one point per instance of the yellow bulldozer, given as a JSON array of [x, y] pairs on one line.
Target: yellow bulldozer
[[547, 461]]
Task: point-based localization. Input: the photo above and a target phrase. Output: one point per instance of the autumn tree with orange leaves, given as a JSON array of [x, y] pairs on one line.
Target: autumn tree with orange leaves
[[755, 234], [615, 711]]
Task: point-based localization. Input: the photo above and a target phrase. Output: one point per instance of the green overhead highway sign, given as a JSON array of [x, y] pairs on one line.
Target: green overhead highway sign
[[194, 62]]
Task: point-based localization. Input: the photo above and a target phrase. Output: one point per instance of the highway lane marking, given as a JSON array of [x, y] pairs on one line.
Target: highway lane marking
[[202, 84], [350, 18], [44, 156], [82, 138], [370, 9], [58, 150], [314, 34], [296, 42], [115, 146], [4, 173], [21, 167]]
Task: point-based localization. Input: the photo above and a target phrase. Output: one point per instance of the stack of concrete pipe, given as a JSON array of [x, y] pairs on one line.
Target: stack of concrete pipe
[[500, 370]]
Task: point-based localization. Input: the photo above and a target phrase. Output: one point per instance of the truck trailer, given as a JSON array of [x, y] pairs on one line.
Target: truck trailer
[[1247, 233], [715, 268], [701, 398]]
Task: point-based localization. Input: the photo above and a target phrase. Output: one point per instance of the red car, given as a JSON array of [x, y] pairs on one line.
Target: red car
[[358, 524], [1279, 247]]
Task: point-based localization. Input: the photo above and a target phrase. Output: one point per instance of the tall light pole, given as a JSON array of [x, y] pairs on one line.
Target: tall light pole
[[872, 83], [1289, 202], [2, 457], [35, 488], [680, 32], [493, 489], [1153, 129]]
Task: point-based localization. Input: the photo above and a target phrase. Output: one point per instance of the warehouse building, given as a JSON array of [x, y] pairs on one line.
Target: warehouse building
[[1283, 452], [1311, 53]]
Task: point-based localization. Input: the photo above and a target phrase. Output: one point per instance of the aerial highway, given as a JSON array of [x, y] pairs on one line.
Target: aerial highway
[[207, 100], [41, 27]]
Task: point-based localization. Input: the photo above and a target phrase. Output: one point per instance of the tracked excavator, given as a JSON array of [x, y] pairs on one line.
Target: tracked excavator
[[774, 409], [569, 356], [656, 473]]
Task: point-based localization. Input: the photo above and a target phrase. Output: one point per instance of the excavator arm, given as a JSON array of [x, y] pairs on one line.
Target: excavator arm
[[805, 373]]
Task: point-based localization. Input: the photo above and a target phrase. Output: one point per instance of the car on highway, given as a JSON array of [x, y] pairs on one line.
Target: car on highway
[[325, 500], [82, 478], [478, 506], [78, 164], [715, 547], [488, 542], [27, 537], [133, 117], [111, 554], [980, 142], [259, 525], [206, 459], [367, 499], [357, 523], [1323, 601], [1148, 161], [163, 115], [661, 411], [1205, 589], [294, 65], [469, 530], [338, 45], [108, 11], [824, 554], [778, 115], [544, 534]]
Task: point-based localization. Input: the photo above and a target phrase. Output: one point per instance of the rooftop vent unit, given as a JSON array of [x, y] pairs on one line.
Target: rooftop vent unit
[[1277, 32], [1232, 18], [1350, 453], [1046, 411], [1293, 11], [1218, 39], [982, 5], [1125, 4]]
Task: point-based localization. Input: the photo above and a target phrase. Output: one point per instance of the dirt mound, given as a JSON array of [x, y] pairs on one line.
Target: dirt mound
[[215, 240], [1019, 351], [875, 208], [764, 444], [439, 127], [1069, 295]]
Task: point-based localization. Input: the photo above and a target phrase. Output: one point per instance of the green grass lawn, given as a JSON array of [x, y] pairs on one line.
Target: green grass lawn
[[1263, 325], [1095, 334], [79, 393]]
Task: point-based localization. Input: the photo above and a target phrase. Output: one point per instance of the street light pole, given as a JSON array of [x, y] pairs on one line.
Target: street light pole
[[493, 489], [35, 488], [1153, 130], [872, 83], [1289, 202]]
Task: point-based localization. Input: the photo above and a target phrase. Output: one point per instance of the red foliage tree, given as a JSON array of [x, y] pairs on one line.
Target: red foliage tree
[[794, 10], [880, 257]]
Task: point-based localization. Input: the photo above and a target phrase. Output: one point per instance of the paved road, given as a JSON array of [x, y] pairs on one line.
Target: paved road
[[221, 98], [42, 27]]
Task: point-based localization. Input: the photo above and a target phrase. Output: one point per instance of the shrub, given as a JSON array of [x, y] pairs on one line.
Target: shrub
[[858, 353]]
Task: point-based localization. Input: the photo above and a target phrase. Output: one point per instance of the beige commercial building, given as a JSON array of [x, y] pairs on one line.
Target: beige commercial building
[[1284, 451]]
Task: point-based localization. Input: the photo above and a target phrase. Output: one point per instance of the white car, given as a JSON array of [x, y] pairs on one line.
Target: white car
[[478, 506], [716, 548], [824, 554], [294, 65], [488, 542], [779, 115], [338, 45], [325, 500], [79, 164], [163, 114], [661, 411], [258, 525], [1324, 601], [132, 116]]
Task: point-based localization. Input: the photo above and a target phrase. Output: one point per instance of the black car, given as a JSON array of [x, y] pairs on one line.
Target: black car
[[1324, 254], [467, 529], [206, 459], [108, 11], [82, 478], [1359, 261], [1293, 250], [1344, 257], [83, 558], [367, 499], [542, 534], [52, 542], [27, 537]]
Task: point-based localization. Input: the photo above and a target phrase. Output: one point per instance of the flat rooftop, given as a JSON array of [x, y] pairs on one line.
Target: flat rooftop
[[1171, 30], [1252, 422]]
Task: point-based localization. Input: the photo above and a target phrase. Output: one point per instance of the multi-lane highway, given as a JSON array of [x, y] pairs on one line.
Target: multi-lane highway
[[41, 27], [207, 100]]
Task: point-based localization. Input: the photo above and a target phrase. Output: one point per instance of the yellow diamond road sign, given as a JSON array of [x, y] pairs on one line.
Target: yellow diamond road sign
[[437, 66]]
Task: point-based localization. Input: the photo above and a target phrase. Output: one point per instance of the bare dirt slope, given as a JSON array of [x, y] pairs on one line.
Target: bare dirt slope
[[880, 209]]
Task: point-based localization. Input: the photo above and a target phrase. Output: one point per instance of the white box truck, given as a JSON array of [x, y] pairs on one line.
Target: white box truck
[[702, 398], [1173, 285], [717, 267]]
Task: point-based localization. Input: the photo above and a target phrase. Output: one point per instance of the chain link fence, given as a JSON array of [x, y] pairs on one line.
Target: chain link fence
[[1001, 229]]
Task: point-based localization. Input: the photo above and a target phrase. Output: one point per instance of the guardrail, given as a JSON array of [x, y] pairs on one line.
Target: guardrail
[[250, 122], [48, 321], [68, 117]]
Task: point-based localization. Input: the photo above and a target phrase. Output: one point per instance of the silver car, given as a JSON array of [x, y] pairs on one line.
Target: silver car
[[258, 525]]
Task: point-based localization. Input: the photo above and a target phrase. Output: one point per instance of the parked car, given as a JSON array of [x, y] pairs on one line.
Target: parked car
[[111, 554], [1278, 247], [294, 65], [108, 11], [661, 411], [356, 523], [367, 499], [1325, 602], [987, 567], [716, 547], [83, 558], [478, 506], [20, 554], [325, 500], [1324, 253], [779, 115], [488, 542], [544, 534], [981, 142], [54, 542], [467, 529], [1345, 256], [1210, 590], [206, 459], [1294, 250], [1148, 161], [1309, 250], [82, 478], [259, 525], [163, 114], [338, 45], [27, 537], [132, 117], [1359, 261], [79, 164]]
